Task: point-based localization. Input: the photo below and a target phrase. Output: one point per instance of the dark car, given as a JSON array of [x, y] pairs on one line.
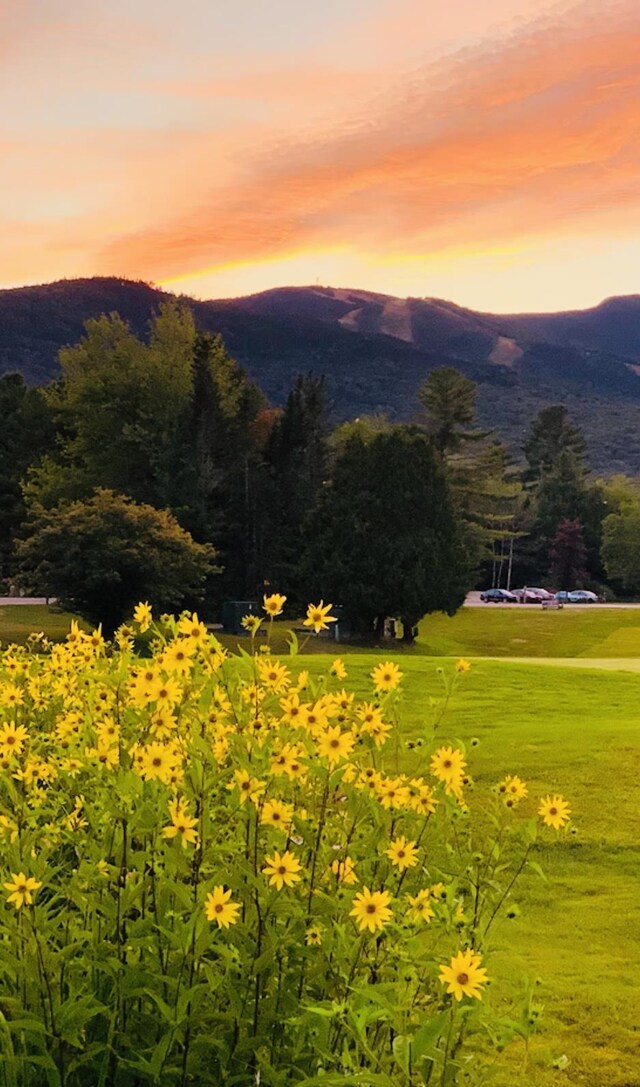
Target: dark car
[[544, 594], [528, 596], [497, 596]]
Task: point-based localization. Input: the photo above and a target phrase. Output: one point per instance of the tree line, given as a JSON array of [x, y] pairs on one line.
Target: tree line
[[156, 468]]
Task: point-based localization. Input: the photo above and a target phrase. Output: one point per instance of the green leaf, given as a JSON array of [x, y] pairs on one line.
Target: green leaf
[[427, 1035]]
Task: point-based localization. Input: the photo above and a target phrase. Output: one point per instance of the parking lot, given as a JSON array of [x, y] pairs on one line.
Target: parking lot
[[473, 601]]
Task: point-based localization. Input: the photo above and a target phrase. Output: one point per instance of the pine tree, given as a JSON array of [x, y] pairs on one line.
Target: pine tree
[[448, 398], [550, 435], [486, 491], [568, 555], [297, 459], [383, 539]]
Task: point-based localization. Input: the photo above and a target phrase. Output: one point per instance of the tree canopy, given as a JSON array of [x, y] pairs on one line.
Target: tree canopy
[[101, 556], [448, 398], [382, 539], [551, 434]]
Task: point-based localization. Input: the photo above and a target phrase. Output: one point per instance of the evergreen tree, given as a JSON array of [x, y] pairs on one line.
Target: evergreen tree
[[448, 398], [221, 498], [485, 487], [297, 459], [566, 494], [27, 432], [551, 434], [168, 423], [568, 555], [382, 539]]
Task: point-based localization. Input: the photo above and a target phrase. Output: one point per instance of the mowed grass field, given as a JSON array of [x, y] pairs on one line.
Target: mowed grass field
[[575, 730], [18, 621], [490, 631], [527, 631]]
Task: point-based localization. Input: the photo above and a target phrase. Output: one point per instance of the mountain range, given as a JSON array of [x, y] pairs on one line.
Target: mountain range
[[375, 350]]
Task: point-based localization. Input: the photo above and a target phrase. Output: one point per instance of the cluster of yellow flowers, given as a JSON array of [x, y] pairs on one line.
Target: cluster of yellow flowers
[[292, 763]]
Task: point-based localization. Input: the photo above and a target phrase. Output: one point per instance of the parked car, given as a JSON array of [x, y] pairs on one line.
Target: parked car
[[544, 594], [577, 596], [498, 596], [527, 596]]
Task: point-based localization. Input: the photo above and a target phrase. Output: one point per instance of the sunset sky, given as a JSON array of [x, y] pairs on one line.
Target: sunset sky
[[484, 151]]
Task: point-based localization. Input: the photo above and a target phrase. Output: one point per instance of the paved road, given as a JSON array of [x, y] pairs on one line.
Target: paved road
[[24, 600], [473, 601], [609, 664]]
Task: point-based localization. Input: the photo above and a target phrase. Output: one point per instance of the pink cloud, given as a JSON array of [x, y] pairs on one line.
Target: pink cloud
[[535, 132]]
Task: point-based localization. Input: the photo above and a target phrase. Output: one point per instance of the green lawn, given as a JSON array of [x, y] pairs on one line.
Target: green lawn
[[575, 732], [18, 621], [590, 632], [514, 631], [493, 631]]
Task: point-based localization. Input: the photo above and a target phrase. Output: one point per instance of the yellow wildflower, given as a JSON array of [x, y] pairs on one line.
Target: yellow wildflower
[[251, 623], [274, 675], [275, 813], [333, 744], [464, 976], [512, 789], [249, 788], [12, 739], [345, 870], [21, 888], [273, 604], [555, 811], [402, 854], [421, 909], [386, 677], [182, 824], [448, 765], [283, 870], [318, 617], [142, 616], [371, 909], [193, 627], [219, 908], [11, 695]]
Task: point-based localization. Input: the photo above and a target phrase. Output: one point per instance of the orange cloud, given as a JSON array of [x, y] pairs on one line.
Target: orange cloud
[[534, 134]]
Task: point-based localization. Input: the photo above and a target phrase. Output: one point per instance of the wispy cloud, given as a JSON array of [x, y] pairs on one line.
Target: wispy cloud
[[529, 134], [409, 131]]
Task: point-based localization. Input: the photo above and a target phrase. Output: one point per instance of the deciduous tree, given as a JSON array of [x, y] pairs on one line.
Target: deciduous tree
[[621, 545], [102, 555]]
